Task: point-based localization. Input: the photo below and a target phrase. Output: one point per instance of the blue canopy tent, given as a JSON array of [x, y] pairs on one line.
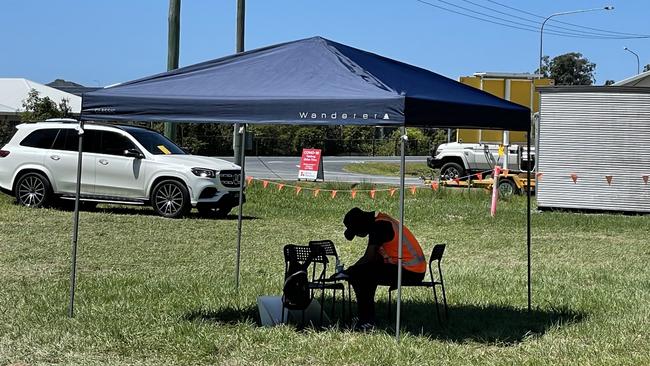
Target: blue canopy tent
[[313, 81]]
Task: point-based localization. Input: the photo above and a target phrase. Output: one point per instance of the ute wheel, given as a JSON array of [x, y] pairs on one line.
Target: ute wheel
[[33, 190], [171, 199], [506, 188], [451, 170]]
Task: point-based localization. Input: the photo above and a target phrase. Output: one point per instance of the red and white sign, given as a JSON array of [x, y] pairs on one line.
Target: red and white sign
[[311, 165]]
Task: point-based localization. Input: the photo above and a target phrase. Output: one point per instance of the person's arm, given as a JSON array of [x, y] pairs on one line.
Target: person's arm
[[381, 233]]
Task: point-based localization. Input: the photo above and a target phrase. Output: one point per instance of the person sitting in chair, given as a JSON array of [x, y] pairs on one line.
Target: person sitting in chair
[[378, 266]]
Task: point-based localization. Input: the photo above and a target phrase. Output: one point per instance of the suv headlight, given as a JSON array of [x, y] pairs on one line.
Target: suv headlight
[[204, 172]]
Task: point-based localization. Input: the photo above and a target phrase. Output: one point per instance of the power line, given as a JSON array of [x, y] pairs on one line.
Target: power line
[[517, 25], [566, 23], [538, 24]]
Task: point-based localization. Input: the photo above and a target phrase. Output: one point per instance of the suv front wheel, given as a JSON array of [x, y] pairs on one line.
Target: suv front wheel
[[171, 199], [33, 190]]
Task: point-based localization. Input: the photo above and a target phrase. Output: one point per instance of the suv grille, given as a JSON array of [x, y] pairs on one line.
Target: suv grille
[[230, 178]]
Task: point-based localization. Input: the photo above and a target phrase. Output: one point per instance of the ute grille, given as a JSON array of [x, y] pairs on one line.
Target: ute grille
[[230, 178]]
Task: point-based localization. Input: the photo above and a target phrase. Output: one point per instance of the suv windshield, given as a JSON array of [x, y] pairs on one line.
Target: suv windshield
[[154, 142]]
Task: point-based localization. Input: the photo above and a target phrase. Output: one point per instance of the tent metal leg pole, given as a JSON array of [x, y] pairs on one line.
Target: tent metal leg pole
[[75, 224], [401, 236], [242, 178], [528, 229]]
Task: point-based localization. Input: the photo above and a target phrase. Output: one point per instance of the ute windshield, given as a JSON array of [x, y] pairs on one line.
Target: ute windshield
[[154, 142]]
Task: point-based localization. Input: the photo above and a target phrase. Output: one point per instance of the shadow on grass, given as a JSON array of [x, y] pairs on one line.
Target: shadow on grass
[[498, 325], [146, 211], [501, 325], [227, 315]]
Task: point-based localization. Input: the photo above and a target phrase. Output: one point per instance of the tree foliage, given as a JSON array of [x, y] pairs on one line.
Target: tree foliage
[[40, 109], [569, 69], [646, 68], [609, 82]]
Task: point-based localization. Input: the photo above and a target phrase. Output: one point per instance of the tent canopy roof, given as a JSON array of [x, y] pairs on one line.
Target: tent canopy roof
[[309, 81]]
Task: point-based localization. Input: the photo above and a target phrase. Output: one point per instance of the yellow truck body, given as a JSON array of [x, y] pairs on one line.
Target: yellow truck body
[[517, 88]]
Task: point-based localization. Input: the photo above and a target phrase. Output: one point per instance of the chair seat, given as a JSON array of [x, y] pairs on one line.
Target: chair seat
[[327, 285], [393, 287]]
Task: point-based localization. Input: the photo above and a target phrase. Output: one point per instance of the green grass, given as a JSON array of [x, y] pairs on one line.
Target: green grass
[[154, 291], [389, 169]]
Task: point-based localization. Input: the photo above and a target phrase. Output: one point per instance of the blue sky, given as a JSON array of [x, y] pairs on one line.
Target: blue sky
[[105, 42]]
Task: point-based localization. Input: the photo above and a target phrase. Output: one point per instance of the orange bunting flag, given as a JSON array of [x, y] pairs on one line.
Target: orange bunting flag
[[505, 171], [434, 186], [280, 186], [353, 193], [479, 176], [609, 179], [372, 193], [539, 176], [645, 179], [249, 179], [392, 191], [413, 188], [316, 192], [333, 194], [265, 183], [298, 190], [574, 177]]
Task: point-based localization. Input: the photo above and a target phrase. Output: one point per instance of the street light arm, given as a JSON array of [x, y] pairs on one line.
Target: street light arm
[[541, 30], [638, 62]]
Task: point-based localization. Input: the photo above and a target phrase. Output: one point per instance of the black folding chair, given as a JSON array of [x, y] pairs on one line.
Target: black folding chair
[[436, 255], [328, 249], [297, 256]]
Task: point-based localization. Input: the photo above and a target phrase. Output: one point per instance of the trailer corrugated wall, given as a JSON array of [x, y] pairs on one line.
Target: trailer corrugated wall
[[593, 133]]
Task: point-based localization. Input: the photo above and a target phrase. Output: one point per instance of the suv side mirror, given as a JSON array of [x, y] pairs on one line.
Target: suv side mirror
[[133, 153]]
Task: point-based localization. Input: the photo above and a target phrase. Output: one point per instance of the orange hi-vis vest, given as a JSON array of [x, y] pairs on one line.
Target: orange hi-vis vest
[[412, 256]]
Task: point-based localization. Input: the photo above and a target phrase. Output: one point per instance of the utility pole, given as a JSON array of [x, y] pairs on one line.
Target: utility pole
[[173, 45], [238, 138]]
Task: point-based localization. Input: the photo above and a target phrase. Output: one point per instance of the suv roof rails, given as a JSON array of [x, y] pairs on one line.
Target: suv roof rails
[[64, 120]]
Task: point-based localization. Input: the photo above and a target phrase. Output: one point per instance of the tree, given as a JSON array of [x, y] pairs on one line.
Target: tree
[[40, 109], [609, 82], [646, 68], [569, 69]]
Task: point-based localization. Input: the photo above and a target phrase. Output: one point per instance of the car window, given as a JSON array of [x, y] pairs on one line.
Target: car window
[[155, 143], [41, 139], [113, 143], [67, 139]]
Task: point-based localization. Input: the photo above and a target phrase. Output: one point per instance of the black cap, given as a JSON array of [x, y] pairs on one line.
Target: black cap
[[353, 220]]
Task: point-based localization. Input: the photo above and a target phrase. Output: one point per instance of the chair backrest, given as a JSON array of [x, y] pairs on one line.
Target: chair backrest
[[299, 257], [328, 247], [437, 252]]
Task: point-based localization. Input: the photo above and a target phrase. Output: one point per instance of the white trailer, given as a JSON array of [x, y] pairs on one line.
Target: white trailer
[[594, 148]]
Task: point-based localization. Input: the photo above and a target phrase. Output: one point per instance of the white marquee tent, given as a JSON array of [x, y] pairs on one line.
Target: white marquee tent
[[13, 91]]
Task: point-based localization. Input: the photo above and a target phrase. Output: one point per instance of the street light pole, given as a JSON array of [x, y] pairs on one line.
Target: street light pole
[[541, 30], [638, 64]]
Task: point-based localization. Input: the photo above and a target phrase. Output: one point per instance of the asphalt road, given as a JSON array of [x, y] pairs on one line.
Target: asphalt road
[[286, 168]]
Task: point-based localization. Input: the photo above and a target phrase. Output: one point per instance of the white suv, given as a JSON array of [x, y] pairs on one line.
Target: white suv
[[121, 164]]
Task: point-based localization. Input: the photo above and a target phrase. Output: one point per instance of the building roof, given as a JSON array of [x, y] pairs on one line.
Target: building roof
[[642, 79], [13, 91]]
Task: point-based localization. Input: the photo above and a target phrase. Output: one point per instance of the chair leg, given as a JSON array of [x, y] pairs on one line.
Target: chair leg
[[444, 298], [343, 305], [333, 302], [435, 298], [322, 305], [350, 301]]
